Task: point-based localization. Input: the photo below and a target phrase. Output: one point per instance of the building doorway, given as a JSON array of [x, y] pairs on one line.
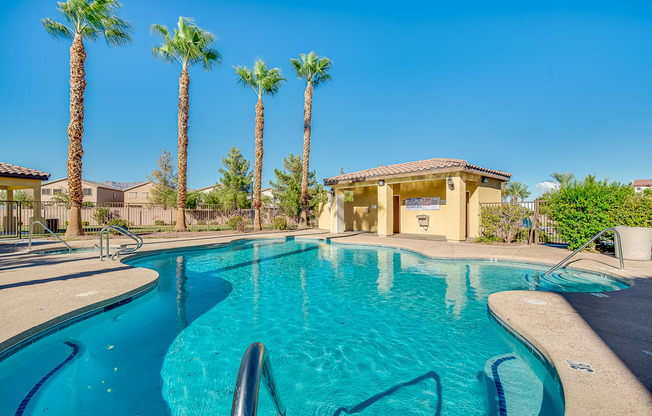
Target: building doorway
[[397, 214]]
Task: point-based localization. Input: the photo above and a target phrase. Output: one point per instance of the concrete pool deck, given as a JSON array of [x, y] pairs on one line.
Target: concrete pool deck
[[613, 334]]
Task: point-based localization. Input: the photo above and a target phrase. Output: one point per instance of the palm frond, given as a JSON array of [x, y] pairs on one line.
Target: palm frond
[[189, 44], [57, 30], [311, 68]]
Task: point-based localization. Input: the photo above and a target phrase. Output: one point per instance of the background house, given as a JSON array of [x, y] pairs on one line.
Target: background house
[[138, 193], [94, 192], [641, 185]]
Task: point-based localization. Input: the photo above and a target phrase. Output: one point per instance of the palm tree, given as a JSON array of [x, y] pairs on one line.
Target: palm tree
[[314, 70], [517, 190], [189, 45], [90, 19], [563, 179], [262, 80]]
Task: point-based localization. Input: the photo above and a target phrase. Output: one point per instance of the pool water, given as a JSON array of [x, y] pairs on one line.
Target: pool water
[[350, 330]]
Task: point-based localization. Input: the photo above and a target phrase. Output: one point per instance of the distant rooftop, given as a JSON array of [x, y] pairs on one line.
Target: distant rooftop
[[13, 171], [419, 167], [643, 182]]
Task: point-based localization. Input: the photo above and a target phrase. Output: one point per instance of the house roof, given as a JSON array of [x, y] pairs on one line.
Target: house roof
[[419, 167], [96, 184], [643, 182], [13, 171], [132, 185]]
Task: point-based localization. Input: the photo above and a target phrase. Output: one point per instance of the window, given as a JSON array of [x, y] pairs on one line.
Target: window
[[114, 196], [58, 191], [46, 191], [132, 195], [638, 188], [88, 191], [144, 195]]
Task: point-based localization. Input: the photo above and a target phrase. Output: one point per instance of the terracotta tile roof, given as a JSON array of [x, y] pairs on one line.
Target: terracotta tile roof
[[418, 167], [13, 171], [643, 182]]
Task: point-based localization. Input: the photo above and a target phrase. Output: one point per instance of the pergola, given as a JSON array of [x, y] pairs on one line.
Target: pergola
[[13, 178]]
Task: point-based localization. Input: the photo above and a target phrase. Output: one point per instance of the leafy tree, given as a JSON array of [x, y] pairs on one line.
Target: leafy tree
[[315, 71], [287, 188], [517, 190], [562, 179], [262, 80], [62, 198], [235, 183], [165, 181], [647, 192], [189, 45], [90, 19], [194, 198]]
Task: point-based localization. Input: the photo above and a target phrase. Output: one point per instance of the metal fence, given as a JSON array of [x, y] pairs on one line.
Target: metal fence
[[15, 217], [537, 226]]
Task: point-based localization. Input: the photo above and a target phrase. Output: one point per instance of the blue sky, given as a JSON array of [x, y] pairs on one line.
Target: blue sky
[[526, 87]]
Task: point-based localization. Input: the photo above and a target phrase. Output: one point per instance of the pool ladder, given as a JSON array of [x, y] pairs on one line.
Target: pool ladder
[[595, 237], [254, 366], [31, 228], [123, 249]]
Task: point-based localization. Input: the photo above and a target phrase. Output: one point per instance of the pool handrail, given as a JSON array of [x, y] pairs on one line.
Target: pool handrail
[[31, 228], [254, 366], [617, 245], [123, 231]]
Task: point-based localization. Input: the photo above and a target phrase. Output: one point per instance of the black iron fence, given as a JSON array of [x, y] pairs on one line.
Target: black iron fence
[[15, 216], [536, 226]]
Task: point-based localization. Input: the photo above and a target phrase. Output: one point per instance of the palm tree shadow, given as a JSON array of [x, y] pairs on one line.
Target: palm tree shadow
[[373, 399]]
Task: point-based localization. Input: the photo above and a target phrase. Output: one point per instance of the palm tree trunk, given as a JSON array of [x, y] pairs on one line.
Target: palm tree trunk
[[258, 167], [75, 135], [307, 120], [184, 107]]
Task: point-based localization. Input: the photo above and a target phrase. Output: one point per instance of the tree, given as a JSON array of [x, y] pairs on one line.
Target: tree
[[517, 190], [62, 197], [314, 70], [163, 191], [562, 179], [262, 80], [287, 188], [235, 182], [89, 19], [189, 45]]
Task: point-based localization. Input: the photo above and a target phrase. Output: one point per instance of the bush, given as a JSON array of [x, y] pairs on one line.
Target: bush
[[117, 221], [103, 215], [159, 222], [234, 221], [240, 227], [201, 222], [280, 223], [584, 208], [501, 223]]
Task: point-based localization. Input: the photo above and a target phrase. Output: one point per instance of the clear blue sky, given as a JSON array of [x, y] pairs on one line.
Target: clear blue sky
[[526, 87]]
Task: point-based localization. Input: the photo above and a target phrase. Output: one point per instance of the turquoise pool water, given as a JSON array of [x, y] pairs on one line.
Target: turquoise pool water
[[350, 330]]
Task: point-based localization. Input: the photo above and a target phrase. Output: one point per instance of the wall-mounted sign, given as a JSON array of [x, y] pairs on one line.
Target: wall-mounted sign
[[429, 203]]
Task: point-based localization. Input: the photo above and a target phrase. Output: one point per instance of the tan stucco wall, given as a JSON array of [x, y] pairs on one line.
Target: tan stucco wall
[[147, 187], [109, 195], [362, 213], [324, 216]]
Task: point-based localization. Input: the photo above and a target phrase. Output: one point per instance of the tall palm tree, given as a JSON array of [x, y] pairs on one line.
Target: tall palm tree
[[90, 19], [314, 70], [262, 80], [563, 179], [517, 190], [189, 45]]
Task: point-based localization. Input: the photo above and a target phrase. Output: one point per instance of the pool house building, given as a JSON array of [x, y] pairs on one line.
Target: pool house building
[[435, 198]]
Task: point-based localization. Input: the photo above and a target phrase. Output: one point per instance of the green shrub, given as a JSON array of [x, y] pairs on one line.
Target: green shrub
[[584, 208], [234, 221], [84, 223], [118, 221], [500, 223], [103, 215], [159, 222], [201, 222], [280, 223]]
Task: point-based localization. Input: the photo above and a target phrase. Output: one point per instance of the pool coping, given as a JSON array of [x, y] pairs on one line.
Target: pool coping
[[641, 400]]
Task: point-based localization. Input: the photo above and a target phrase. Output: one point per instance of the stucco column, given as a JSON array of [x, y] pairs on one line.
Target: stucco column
[[385, 210], [337, 212], [36, 210], [456, 207], [9, 220]]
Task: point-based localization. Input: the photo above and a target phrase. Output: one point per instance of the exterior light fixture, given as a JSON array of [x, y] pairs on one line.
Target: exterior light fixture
[[485, 179], [381, 182], [449, 182]]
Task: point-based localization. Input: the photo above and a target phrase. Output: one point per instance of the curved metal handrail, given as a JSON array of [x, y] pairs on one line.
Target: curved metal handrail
[[595, 237], [31, 227], [123, 231], [255, 365]]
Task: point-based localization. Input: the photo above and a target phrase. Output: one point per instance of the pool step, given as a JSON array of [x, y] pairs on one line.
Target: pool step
[[513, 388]]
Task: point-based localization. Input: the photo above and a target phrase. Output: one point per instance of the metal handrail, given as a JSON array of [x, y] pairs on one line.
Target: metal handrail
[[123, 231], [595, 237], [255, 365], [31, 227]]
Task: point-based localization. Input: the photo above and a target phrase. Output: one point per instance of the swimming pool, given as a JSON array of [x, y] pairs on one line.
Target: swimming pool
[[350, 330]]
